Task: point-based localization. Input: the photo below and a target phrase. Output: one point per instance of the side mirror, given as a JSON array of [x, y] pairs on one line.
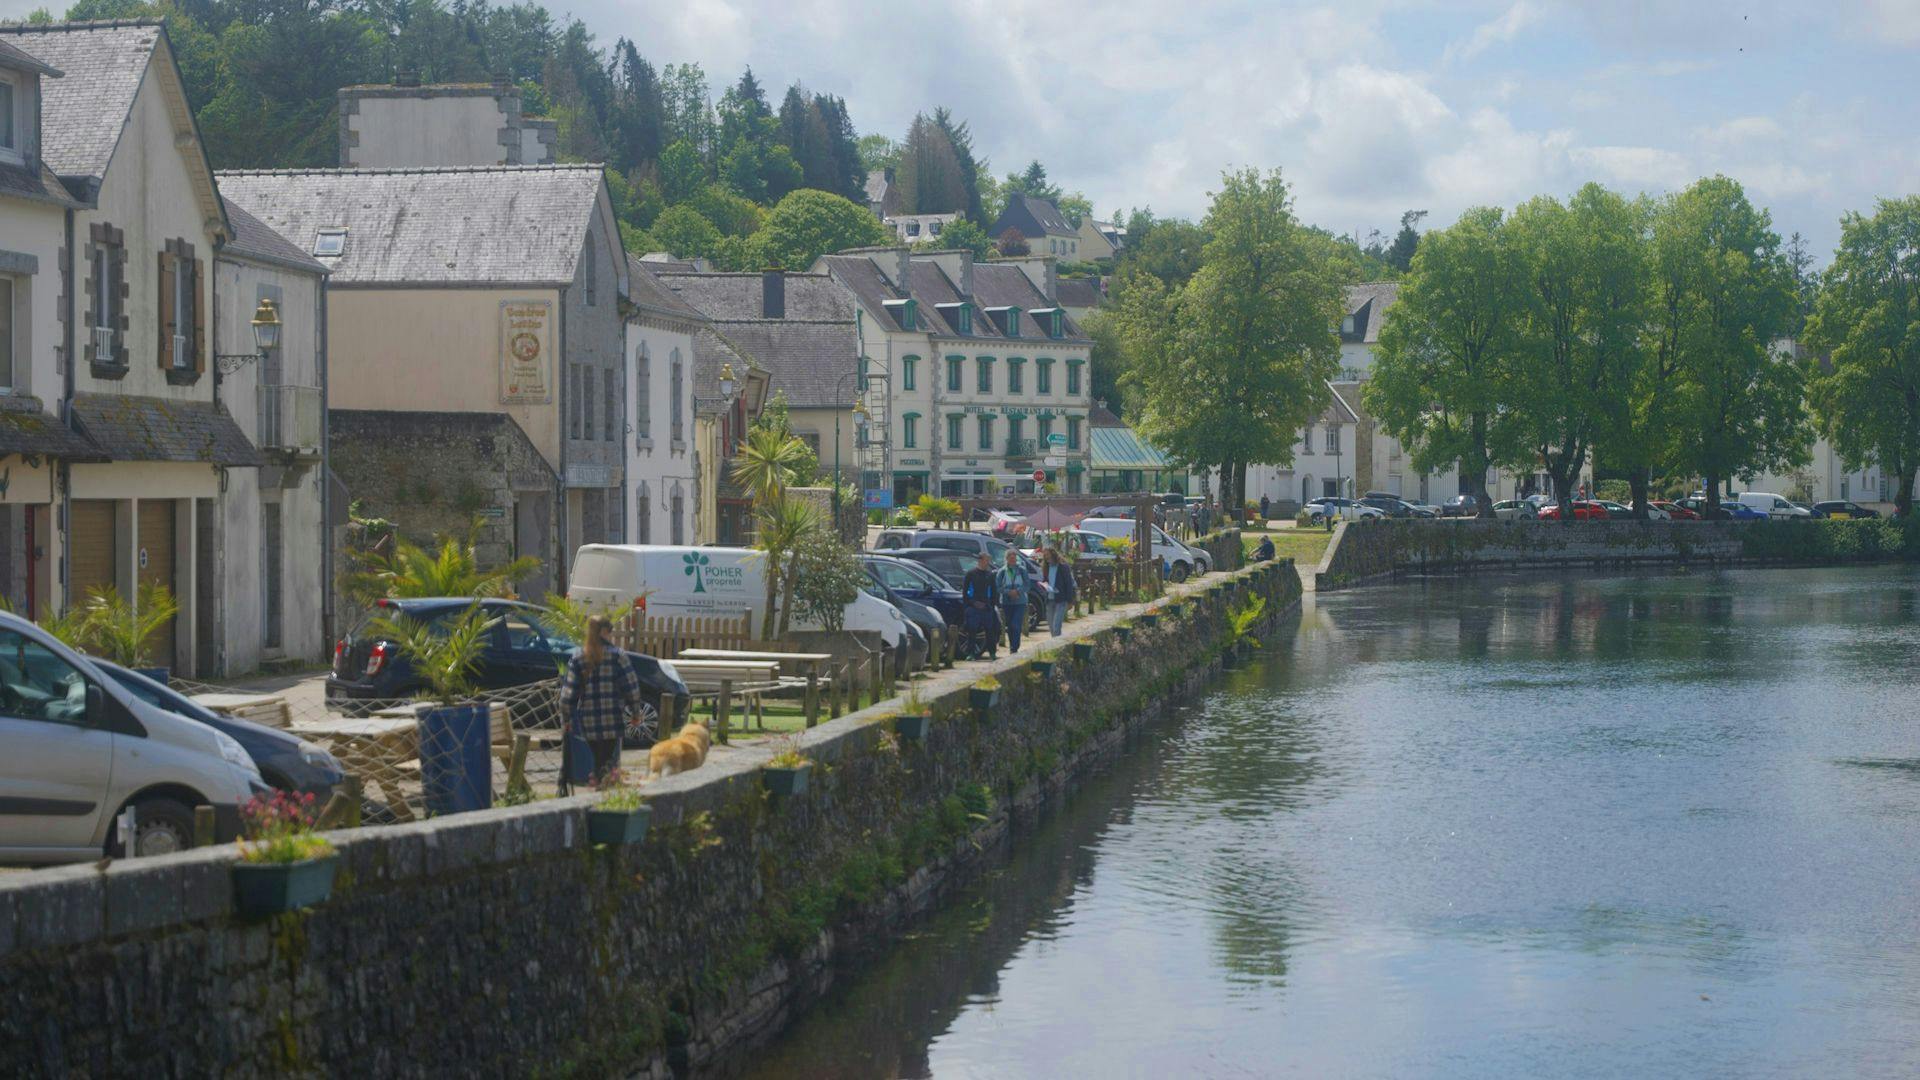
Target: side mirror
[[96, 706]]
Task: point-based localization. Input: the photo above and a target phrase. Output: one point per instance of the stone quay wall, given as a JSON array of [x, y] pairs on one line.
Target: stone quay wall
[[1367, 551], [502, 943]]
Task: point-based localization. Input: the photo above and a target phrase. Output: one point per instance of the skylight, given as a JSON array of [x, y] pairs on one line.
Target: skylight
[[330, 242]]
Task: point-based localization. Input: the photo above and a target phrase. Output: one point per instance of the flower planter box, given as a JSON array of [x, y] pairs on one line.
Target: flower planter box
[[1150, 619], [1043, 668], [1173, 610], [982, 700], [1083, 651], [618, 826], [911, 726], [262, 889], [1123, 634], [786, 779]]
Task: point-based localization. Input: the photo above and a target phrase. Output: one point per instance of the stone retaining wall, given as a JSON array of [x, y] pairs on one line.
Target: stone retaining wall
[[500, 942]]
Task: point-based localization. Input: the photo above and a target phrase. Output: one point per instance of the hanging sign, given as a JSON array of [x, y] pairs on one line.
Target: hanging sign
[[526, 343]]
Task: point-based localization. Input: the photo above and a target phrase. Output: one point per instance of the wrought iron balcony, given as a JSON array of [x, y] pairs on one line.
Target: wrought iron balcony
[[291, 419]]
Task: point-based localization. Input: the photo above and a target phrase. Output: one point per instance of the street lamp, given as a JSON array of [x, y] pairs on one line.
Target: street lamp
[[727, 381], [266, 338], [860, 416]]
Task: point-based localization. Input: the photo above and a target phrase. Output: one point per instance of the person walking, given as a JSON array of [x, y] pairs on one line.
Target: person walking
[[598, 692], [1013, 582], [1265, 508], [1059, 579], [980, 591]]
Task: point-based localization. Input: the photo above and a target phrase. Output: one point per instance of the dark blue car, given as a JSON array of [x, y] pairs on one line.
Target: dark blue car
[[915, 582], [524, 644]]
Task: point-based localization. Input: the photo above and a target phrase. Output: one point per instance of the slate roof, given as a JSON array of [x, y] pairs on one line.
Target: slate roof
[[253, 240], [646, 289], [500, 224], [131, 428], [1371, 300], [805, 359], [738, 296], [1079, 293], [710, 352], [1043, 213], [26, 429], [15, 57], [40, 185], [84, 111], [859, 275], [1009, 286], [931, 287]]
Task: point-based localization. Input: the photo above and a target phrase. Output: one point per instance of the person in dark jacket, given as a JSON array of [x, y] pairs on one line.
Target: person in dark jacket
[[980, 591], [1264, 552], [1058, 577], [1013, 584]]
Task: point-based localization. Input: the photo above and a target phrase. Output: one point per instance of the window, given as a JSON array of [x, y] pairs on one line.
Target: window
[[37, 685], [953, 374], [1013, 375], [986, 432], [677, 513], [1013, 435], [586, 407], [812, 441], [934, 228], [590, 272], [1073, 378], [9, 124], [611, 395], [909, 431], [953, 432], [1045, 424], [105, 345], [329, 242], [7, 332], [643, 395], [1346, 325], [1073, 433], [643, 513], [1043, 376], [1333, 438], [986, 374], [913, 228], [270, 573], [1306, 440], [179, 282], [907, 364], [676, 409]]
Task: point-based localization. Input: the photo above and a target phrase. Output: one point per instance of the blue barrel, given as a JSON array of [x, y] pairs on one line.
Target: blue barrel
[[456, 767]]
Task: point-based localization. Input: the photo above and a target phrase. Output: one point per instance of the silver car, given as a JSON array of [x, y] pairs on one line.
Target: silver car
[[1515, 510], [81, 750]]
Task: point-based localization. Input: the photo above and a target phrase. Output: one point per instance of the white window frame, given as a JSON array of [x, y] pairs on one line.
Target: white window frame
[[183, 287], [15, 150], [1333, 439], [330, 242]]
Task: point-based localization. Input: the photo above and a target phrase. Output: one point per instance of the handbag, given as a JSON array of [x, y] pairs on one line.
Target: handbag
[[579, 753]]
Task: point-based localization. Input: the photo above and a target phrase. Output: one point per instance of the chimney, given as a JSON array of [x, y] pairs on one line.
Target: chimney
[[1052, 287], [966, 274], [773, 294], [899, 268]]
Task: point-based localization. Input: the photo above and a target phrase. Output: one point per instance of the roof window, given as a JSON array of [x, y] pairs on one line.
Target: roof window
[[331, 241]]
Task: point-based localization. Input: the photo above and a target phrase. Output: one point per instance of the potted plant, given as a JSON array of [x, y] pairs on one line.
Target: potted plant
[[1149, 618], [283, 865], [1123, 633], [1043, 664], [1082, 651], [984, 694], [914, 718], [455, 768], [621, 816], [121, 632], [786, 773]]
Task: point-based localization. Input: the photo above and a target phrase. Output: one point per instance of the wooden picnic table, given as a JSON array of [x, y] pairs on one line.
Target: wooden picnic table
[[811, 662], [374, 746], [268, 709]]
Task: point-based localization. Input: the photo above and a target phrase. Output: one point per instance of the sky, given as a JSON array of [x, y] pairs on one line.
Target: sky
[[1369, 107]]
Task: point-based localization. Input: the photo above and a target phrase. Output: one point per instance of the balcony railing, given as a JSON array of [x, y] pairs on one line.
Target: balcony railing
[[1023, 448], [291, 419]]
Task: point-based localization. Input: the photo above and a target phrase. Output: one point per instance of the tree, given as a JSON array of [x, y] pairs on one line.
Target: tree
[[1400, 255], [1868, 318], [1447, 350], [1031, 182], [1806, 282], [730, 213], [930, 176], [964, 234], [878, 154], [683, 233], [808, 224], [1012, 243], [1230, 366], [639, 110], [681, 173], [972, 170], [1108, 361], [1738, 409], [1581, 275]]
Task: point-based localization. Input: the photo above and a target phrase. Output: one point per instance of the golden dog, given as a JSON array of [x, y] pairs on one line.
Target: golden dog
[[683, 752]]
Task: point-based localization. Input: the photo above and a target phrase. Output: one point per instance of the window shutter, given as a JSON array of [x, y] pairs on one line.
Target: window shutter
[[165, 352], [199, 316]]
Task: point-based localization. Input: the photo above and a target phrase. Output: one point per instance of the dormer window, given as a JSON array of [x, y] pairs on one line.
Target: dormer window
[[959, 316], [903, 313], [1049, 320], [9, 110], [330, 242], [1346, 326]]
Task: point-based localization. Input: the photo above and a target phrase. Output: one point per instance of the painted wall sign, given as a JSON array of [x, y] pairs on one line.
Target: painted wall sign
[[526, 352]]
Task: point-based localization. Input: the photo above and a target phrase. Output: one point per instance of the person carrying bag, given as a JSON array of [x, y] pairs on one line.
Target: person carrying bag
[[597, 693]]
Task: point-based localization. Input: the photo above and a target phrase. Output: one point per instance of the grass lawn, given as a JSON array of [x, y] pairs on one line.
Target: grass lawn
[[1304, 546]]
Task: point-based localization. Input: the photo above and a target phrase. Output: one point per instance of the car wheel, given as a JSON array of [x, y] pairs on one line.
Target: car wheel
[[160, 827], [642, 728], [1180, 572]]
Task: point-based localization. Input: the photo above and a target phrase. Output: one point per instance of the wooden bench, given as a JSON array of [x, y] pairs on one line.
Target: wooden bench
[[810, 676], [721, 679]]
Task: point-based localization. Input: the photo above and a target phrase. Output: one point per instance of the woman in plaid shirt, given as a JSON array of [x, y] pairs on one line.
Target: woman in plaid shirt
[[600, 690]]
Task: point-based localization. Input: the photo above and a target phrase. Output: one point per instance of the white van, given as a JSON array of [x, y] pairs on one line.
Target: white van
[[81, 749], [679, 581], [1772, 505], [1180, 560]]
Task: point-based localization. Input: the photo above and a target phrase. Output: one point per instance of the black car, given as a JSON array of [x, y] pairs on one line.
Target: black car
[[286, 761], [1842, 508], [913, 580], [952, 566], [1391, 505], [524, 645]]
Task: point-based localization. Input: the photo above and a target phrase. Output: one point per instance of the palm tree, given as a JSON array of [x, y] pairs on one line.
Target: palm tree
[[786, 525], [450, 569], [121, 631], [767, 463]]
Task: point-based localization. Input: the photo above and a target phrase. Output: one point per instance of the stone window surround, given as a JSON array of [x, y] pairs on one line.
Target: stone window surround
[[106, 265], [19, 269], [643, 398], [183, 254]]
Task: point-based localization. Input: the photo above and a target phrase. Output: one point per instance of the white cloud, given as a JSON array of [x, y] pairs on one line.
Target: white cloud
[[1636, 168], [1496, 31]]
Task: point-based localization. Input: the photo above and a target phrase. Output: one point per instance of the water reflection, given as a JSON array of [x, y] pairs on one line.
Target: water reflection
[[1650, 825]]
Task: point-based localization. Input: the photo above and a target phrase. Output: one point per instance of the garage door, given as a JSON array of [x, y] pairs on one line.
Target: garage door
[[156, 566], [93, 546]]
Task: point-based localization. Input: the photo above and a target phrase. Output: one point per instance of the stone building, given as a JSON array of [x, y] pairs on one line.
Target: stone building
[[474, 293], [662, 444]]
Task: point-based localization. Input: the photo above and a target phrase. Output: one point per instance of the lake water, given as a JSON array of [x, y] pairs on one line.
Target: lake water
[[1661, 825]]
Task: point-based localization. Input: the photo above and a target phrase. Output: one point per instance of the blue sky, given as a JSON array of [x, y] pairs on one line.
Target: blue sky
[[1371, 107]]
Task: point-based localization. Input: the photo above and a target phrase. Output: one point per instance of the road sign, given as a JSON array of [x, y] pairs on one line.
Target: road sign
[[1056, 439], [879, 498], [1039, 476], [1056, 462]]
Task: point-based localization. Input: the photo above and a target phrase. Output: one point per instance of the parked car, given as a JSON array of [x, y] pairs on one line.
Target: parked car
[[1180, 560], [1771, 505], [1121, 510], [1460, 506], [81, 749], [1319, 510], [1392, 506], [524, 645], [952, 566], [1077, 544], [1675, 511], [915, 582], [1425, 510], [1583, 510], [1515, 510], [286, 762], [1843, 509], [923, 620]]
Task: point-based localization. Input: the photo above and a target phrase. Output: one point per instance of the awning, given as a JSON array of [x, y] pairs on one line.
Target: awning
[[131, 428], [25, 429]]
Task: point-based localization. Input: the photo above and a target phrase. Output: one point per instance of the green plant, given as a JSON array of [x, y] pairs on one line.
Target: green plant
[[69, 627], [119, 631], [1241, 619], [279, 829], [828, 577], [1118, 546], [616, 795], [450, 568], [938, 511], [445, 653], [786, 526], [789, 755], [988, 683]]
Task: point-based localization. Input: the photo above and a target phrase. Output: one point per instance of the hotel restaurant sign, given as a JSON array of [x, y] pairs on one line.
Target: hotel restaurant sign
[[526, 349]]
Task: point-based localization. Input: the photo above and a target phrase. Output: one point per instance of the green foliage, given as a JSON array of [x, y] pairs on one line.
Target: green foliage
[[808, 224], [1868, 318], [731, 214], [939, 511], [784, 527], [685, 233], [1824, 541], [450, 568], [444, 652], [105, 624], [829, 579], [1241, 619], [962, 234]]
